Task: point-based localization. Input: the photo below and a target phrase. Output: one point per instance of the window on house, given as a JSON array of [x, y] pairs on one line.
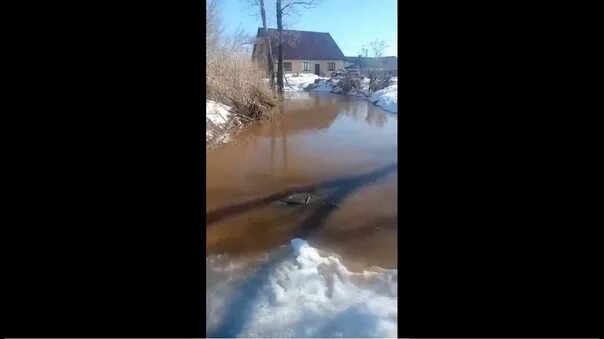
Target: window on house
[[306, 66], [331, 66], [261, 48], [287, 66]]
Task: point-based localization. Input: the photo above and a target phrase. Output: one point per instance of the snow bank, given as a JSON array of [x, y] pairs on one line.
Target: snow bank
[[297, 83], [386, 98], [304, 293], [217, 118], [323, 86], [300, 82], [217, 113]]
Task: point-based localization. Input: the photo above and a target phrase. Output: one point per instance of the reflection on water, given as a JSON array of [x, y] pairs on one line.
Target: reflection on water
[[364, 110], [313, 138]]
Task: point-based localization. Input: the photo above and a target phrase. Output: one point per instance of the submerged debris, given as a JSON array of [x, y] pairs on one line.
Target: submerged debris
[[297, 199]]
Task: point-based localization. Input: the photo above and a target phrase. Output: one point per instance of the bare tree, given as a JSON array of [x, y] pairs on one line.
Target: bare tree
[[378, 47], [213, 24], [290, 7], [363, 59], [280, 54], [239, 42], [364, 52], [269, 56], [284, 8]]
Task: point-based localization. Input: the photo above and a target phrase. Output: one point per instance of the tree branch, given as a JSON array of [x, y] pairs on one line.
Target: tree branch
[[304, 4]]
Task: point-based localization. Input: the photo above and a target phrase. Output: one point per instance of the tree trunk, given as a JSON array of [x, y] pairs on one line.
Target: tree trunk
[[271, 69], [280, 60], [269, 54]]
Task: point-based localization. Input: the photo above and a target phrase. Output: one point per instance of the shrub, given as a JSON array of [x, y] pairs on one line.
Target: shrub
[[349, 82], [378, 80], [234, 80]]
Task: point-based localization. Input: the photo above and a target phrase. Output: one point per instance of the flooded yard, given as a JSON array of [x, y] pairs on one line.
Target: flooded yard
[[343, 152]]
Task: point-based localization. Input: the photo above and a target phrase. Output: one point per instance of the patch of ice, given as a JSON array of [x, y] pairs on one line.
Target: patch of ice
[[302, 293]]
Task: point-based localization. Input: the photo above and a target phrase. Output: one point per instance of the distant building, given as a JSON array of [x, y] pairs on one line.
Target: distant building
[[388, 63], [303, 52]]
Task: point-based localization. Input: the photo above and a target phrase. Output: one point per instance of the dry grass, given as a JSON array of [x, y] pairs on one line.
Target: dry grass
[[234, 80]]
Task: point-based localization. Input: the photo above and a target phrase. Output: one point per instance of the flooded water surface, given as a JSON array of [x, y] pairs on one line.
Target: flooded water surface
[[341, 150], [344, 148]]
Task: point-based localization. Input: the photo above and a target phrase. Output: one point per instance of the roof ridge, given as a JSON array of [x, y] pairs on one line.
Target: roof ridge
[[306, 44], [294, 30]]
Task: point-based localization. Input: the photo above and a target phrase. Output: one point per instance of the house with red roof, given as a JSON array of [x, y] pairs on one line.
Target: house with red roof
[[303, 51]]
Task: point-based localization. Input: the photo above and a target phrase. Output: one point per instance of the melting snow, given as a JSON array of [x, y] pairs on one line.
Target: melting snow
[[217, 113], [217, 117], [386, 98], [300, 82], [301, 293]]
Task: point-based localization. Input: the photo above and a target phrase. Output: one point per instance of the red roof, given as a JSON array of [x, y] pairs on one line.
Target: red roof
[[304, 45]]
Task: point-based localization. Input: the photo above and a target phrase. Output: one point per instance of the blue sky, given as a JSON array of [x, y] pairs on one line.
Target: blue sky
[[352, 23]]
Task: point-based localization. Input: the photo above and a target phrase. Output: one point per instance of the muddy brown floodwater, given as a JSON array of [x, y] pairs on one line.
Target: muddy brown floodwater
[[341, 149]]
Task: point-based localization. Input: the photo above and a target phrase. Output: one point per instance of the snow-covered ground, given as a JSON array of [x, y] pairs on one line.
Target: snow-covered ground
[[300, 82], [218, 117], [217, 113], [298, 291], [297, 83], [323, 86], [386, 98]]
